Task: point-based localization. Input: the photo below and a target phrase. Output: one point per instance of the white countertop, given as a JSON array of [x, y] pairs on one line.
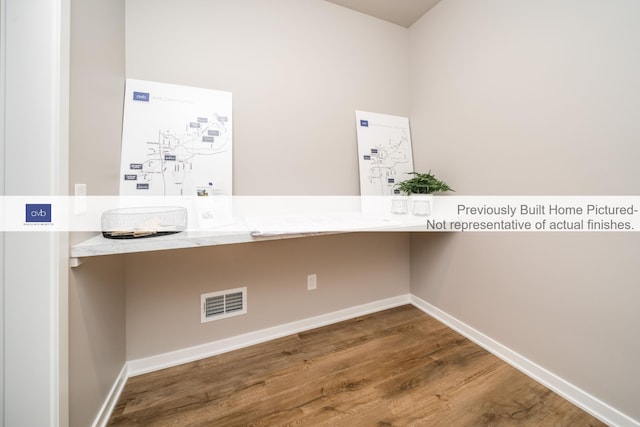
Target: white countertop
[[238, 232]]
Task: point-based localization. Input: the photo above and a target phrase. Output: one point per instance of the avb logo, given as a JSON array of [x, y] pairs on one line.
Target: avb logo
[[141, 96], [364, 123], [38, 213]]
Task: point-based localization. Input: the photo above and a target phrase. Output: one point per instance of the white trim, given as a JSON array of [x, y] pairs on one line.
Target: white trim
[[578, 397], [112, 399], [54, 331], [37, 94], [3, 62], [178, 357], [58, 184]]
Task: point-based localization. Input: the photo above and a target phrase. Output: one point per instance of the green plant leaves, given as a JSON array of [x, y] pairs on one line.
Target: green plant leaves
[[422, 183]]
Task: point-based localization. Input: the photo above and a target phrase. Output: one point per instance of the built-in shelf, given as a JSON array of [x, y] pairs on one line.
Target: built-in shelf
[[234, 234], [99, 245]]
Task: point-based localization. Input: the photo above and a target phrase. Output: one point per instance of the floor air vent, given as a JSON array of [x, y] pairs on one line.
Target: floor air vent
[[223, 304]]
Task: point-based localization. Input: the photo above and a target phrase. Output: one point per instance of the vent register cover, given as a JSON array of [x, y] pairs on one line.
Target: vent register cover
[[223, 304]]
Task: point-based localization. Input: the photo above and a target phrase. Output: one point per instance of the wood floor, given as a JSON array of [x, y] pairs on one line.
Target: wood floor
[[398, 367]]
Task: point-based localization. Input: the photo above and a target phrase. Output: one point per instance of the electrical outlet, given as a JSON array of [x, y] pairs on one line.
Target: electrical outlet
[[81, 189], [312, 282]]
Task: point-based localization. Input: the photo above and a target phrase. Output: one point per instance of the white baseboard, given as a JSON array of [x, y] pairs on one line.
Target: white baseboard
[[112, 398], [578, 397], [178, 357]]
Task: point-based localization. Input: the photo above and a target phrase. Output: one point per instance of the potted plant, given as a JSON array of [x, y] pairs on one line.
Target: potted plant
[[422, 183], [420, 189]]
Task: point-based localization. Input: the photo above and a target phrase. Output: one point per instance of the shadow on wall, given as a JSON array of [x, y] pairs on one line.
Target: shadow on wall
[[431, 258], [96, 333]]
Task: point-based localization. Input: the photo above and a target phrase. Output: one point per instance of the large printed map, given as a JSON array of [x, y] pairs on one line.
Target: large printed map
[[176, 140], [384, 152]]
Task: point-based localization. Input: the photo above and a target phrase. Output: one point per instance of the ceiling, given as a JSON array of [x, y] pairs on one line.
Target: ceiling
[[401, 12]]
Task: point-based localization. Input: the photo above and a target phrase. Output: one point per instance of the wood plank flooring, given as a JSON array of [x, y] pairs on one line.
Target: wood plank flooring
[[398, 367]]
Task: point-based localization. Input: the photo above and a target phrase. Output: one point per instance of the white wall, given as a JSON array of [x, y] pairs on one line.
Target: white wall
[[34, 139], [535, 97], [297, 70]]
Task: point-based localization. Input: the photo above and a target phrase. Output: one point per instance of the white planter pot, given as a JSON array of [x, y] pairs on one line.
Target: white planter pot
[[421, 204], [400, 205]]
